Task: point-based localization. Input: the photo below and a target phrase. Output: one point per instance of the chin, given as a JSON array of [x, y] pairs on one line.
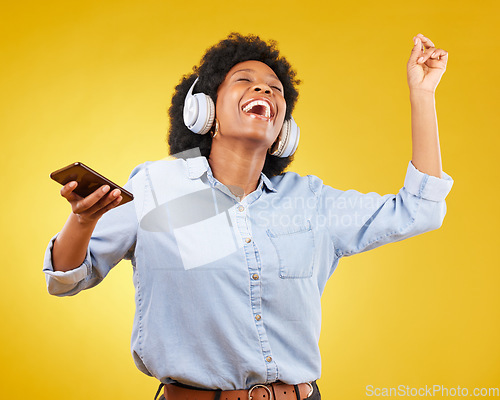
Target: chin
[[264, 136]]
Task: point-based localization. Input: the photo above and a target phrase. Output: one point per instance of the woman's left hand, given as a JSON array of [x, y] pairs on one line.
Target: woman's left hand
[[426, 65]]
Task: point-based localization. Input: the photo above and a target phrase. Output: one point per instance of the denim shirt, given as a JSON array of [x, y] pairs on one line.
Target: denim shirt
[[228, 291]]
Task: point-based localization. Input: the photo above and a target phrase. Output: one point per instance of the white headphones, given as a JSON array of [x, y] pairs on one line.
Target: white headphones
[[199, 115]]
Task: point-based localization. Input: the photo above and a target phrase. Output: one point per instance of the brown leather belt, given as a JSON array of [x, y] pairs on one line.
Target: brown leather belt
[[273, 391]]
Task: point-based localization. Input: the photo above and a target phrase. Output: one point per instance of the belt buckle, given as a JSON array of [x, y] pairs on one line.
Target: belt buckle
[[311, 391], [262, 386]]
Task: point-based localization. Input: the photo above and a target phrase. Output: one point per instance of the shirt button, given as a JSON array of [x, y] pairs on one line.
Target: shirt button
[[248, 240], [258, 317], [255, 277], [269, 359], [241, 208]]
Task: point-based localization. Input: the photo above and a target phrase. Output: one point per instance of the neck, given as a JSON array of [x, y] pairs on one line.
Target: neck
[[237, 168]]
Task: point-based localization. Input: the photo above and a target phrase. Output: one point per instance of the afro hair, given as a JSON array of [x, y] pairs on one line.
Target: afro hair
[[213, 68]]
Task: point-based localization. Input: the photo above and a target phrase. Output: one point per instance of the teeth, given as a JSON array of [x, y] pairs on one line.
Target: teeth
[[249, 106]]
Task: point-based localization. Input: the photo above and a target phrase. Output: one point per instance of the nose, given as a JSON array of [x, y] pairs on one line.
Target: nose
[[261, 87]]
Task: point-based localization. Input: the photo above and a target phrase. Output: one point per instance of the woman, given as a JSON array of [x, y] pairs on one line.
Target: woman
[[230, 254]]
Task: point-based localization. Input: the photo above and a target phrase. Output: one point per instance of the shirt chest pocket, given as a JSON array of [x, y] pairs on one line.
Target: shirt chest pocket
[[295, 248]]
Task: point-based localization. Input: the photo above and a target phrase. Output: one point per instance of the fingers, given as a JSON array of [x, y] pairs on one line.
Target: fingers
[[105, 203], [426, 42], [112, 204], [67, 191], [439, 54], [424, 50], [92, 207], [80, 204], [415, 52], [433, 55], [96, 200], [93, 202]]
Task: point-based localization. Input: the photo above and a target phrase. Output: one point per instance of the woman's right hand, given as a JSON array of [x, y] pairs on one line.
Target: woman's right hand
[[89, 209]]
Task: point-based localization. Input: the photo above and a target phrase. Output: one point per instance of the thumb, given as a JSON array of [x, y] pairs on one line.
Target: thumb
[[416, 52]]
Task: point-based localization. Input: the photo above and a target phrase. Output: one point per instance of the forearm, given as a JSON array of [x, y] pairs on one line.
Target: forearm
[[426, 153], [70, 247]]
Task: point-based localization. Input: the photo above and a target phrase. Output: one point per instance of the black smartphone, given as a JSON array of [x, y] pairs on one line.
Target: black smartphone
[[88, 180]]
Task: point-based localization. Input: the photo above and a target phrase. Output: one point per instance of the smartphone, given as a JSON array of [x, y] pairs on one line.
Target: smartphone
[[88, 180]]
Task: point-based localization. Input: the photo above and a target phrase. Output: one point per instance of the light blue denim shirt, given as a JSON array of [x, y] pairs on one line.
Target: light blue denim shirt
[[228, 291]]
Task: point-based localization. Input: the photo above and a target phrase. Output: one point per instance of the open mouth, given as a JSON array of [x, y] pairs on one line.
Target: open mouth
[[259, 108]]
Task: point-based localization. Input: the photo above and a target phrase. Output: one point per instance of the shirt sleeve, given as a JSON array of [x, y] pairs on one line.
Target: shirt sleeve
[[358, 222], [113, 239]]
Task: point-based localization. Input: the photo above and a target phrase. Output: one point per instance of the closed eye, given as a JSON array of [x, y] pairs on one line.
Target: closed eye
[[248, 80]]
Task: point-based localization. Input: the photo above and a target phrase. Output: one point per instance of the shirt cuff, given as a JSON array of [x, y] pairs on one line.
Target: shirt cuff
[[68, 277], [427, 186]]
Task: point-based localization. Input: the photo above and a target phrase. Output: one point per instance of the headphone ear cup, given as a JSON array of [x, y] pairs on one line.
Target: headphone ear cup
[[209, 121], [198, 112], [288, 140]]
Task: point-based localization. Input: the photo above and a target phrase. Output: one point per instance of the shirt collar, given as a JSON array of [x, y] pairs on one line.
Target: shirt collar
[[197, 166], [267, 182]]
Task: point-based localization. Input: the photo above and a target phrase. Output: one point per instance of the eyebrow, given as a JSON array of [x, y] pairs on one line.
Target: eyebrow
[[252, 70]]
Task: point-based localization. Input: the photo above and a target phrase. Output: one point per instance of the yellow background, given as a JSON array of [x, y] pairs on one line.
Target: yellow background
[[91, 81]]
